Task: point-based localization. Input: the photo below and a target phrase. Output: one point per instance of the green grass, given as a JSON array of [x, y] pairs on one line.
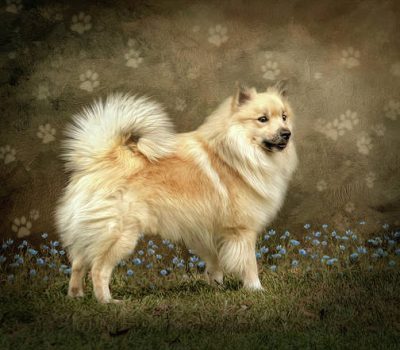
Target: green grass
[[354, 309]]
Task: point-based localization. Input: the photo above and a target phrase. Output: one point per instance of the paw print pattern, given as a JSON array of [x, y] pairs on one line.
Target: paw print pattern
[[13, 6], [271, 70], [217, 35], [370, 179], [133, 58], [364, 143], [42, 92], [180, 104], [81, 23], [22, 227], [350, 58], [338, 126], [89, 81], [349, 207], [34, 214], [46, 133], [8, 154], [379, 129], [392, 109]]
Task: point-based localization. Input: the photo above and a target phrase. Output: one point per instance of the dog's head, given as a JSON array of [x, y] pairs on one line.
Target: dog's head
[[265, 117]]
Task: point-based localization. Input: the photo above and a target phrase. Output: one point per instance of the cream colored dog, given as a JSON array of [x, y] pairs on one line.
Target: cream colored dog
[[215, 188]]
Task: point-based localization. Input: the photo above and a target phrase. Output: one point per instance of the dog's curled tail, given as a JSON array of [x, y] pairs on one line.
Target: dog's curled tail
[[115, 131]]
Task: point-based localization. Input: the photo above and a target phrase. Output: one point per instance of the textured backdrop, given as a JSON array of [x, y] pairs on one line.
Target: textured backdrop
[[342, 60]]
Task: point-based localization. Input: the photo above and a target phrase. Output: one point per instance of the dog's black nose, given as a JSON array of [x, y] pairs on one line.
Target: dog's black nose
[[285, 134]]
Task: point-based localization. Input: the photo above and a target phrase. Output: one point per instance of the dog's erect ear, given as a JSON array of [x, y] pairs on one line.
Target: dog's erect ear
[[242, 95], [281, 87]]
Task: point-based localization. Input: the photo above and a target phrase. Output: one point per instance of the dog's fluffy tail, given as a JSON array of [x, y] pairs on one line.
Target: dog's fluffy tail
[[116, 131]]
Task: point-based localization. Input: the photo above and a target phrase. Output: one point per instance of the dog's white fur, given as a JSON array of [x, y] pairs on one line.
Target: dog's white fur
[[214, 189]]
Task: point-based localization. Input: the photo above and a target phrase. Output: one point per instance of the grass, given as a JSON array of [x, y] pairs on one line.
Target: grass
[[352, 304]]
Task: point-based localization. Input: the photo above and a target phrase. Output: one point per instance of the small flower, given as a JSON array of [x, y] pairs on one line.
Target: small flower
[[140, 252], [392, 263], [258, 255], [307, 226], [273, 268], [317, 234], [330, 262], [201, 264], [324, 243], [171, 246], [276, 256], [354, 257], [129, 272], [163, 272], [385, 226], [40, 262], [272, 232], [149, 266], [362, 250], [324, 226], [302, 252], [137, 261], [342, 247], [294, 242], [150, 251], [266, 237], [264, 250], [44, 235], [32, 251], [158, 257], [315, 242], [295, 263], [32, 272]]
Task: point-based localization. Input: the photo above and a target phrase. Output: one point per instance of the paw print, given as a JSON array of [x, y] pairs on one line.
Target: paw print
[[392, 109], [13, 6], [370, 179], [347, 120], [46, 133], [8, 154], [217, 35], [42, 92], [350, 58], [349, 207], [322, 185], [89, 80], [271, 70], [34, 214], [133, 58], [395, 69], [364, 143], [193, 73], [180, 104], [379, 129], [21, 227], [81, 23]]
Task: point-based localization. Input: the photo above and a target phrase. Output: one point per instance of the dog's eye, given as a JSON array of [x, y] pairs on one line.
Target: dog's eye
[[263, 119], [284, 116]]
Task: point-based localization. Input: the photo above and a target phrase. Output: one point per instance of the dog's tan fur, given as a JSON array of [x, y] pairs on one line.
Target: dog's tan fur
[[215, 188]]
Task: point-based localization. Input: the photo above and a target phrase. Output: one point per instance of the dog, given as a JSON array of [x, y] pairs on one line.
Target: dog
[[214, 189]]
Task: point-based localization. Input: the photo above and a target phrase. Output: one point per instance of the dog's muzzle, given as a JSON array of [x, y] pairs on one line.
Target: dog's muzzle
[[278, 143]]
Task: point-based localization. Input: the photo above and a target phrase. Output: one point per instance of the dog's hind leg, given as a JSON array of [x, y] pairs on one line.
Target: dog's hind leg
[[103, 265], [79, 269]]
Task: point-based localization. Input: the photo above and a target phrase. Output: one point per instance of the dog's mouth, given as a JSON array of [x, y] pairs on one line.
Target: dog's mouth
[[273, 146]]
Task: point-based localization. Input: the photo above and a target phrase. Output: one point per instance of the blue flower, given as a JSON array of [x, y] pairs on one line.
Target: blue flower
[[294, 242], [158, 257], [330, 262], [52, 265], [67, 271], [163, 272], [307, 226], [302, 252], [180, 265], [45, 247], [349, 232], [44, 235], [354, 256], [137, 261], [392, 263], [201, 264], [324, 226], [129, 272], [191, 265], [276, 256], [149, 265], [391, 242], [140, 252], [273, 268], [2, 259], [166, 241], [272, 232], [362, 222], [333, 234], [32, 272], [32, 251], [53, 251], [397, 234], [150, 251], [61, 252], [282, 251], [362, 250], [345, 238], [55, 243], [385, 226], [295, 263], [325, 257], [171, 246], [324, 243], [9, 241], [380, 252], [150, 242], [25, 243], [194, 258], [315, 242], [266, 237], [20, 261], [40, 262], [264, 250], [354, 237], [258, 255], [175, 260], [317, 234]]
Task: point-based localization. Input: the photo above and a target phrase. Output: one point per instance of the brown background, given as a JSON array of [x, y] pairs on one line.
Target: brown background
[[342, 59]]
